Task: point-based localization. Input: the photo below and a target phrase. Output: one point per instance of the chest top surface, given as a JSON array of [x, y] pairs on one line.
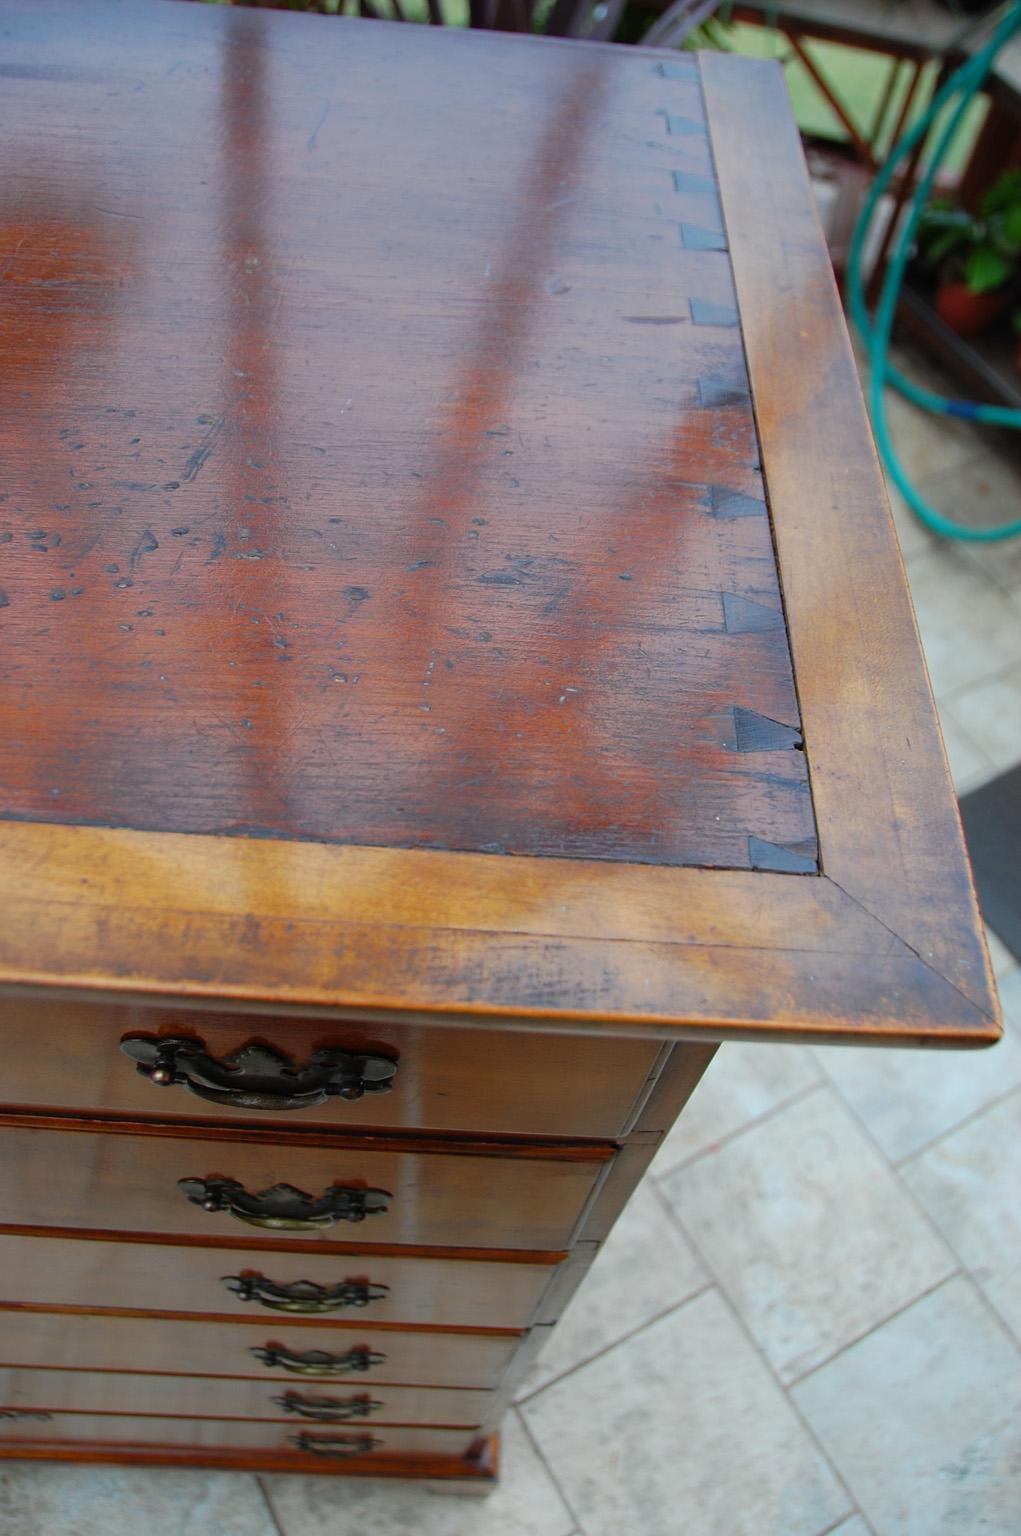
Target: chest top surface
[[380, 462], [383, 476]]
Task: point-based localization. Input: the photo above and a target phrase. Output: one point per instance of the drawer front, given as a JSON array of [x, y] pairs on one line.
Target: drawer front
[[44, 1271], [61, 1055], [290, 1354], [316, 1442], [25, 1390], [114, 1182]]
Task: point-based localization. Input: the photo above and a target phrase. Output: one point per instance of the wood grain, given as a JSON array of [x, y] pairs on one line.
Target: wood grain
[[100, 1181], [192, 1397], [888, 821], [150, 1277], [497, 1082], [405, 498], [236, 1434], [162, 1348]]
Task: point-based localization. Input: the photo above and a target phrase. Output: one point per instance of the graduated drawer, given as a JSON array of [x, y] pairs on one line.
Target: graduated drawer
[[289, 1353], [316, 1442], [26, 1390], [46, 1271], [520, 1197], [67, 1055]]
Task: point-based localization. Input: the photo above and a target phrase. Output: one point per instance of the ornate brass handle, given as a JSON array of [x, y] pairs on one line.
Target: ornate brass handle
[[259, 1076], [327, 1410], [284, 1208], [317, 1362], [335, 1445], [304, 1295]]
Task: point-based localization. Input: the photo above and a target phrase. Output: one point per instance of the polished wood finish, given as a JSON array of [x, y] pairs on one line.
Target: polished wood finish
[[238, 1434], [405, 573], [65, 1055], [113, 1182], [99, 1342], [191, 1397], [444, 606], [150, 1277]]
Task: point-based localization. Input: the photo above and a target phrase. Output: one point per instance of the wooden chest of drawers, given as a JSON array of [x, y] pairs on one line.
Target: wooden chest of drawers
[[456, 670]]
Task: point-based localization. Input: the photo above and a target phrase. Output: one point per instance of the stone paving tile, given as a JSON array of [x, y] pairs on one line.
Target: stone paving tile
[[970, 629], [47, 1499], [645, 1268], [906, 1099], [525, 1503], [991, 715], [808, 1230], [743, 1083], [923, 1419], [970, 1184], [683, 1429]]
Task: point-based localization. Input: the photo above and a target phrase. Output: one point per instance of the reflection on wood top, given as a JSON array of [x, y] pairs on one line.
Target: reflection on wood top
[[379, 464]]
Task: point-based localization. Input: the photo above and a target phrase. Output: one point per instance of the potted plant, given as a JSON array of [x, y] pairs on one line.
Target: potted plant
[[976, 256]]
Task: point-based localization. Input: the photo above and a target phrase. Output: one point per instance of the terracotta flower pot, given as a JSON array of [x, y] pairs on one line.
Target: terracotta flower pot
[[969, 313]]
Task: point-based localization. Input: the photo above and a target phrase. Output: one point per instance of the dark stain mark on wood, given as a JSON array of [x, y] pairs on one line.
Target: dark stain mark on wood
[[57, 595], [656, 319], [219, 545], [146, 543], [194, 465], [5, 601], [725, 504], [675, 71], [688, 181], [357, 594], [705, 312], [758, 733], [718, 394], [790, 861], [742, 616], [683, 127], [499, 579], [310, 142], [696, 237]]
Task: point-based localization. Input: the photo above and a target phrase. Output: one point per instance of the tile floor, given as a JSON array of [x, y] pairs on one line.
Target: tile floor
[[808, 1322]]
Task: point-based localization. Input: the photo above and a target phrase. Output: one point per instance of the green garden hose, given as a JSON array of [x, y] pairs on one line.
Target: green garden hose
[[960, 88]]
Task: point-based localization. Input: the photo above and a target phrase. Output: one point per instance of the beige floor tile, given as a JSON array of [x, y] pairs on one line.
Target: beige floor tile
[[969, 765], [854, 1527], [970, 629], [743, 1083], [645, 1268], [808, 1231], [923, 1419], [47, 1499], [970, 1183], [980, 491], [991, 715], [907, 1098], [928, 445], [682, 1429], [526, 1503]]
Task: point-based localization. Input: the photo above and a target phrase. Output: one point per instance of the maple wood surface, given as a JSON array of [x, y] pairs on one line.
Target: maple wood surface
[[37, 1271], [66, 1055], [404, 497], [228, 1434], [193, 1397], [106, 1182], [100, 1342], [563, 228]]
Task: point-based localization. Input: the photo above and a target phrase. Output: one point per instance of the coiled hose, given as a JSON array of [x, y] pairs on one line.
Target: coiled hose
[[962, 87]]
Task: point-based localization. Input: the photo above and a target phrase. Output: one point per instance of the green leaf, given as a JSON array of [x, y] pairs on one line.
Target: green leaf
[[986, 269]]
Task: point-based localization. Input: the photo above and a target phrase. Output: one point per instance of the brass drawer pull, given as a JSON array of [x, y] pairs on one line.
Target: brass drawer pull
[[304, 1295], [316, 1362], [327, 1410], [259, 1076], [284, 1208], [335, 1445]]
